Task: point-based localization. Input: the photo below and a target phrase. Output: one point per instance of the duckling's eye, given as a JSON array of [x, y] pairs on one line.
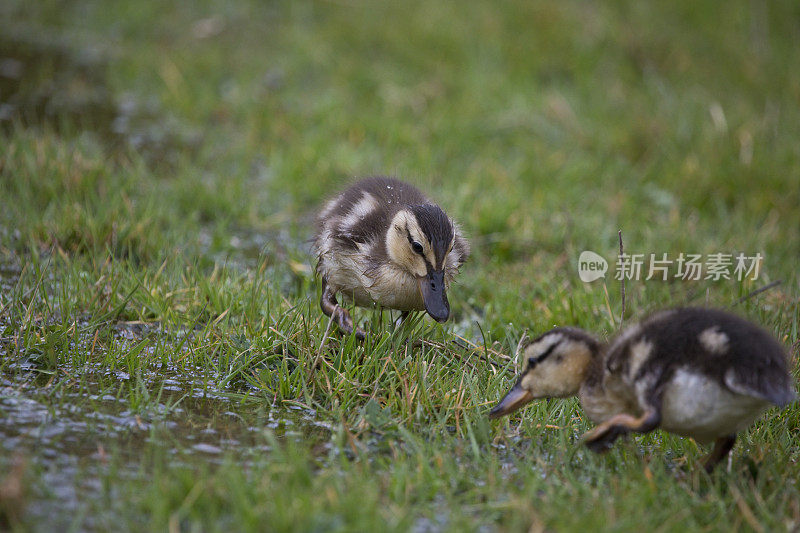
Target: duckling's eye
[[417, 247], [532, 362]]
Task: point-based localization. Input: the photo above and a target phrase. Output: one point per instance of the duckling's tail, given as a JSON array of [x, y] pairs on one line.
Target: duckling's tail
[[787, 396]]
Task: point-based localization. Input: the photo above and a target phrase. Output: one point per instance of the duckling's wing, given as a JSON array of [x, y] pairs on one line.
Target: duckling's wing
[[770, 382], [370, 227]]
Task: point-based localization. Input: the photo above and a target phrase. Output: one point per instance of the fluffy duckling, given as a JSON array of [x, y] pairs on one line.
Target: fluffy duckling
[[382, 242], [700, 373]]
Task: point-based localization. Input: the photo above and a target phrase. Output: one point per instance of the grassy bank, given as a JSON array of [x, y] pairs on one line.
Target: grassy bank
[[163, 360]]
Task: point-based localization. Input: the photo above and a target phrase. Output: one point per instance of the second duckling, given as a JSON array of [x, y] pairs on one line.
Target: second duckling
[[701, 373]]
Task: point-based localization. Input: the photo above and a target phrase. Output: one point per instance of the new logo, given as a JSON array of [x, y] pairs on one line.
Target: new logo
[[591, 266]]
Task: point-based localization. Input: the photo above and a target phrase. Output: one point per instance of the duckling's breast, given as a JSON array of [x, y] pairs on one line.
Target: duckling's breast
[[396, 289], [367, 285], [695, 405]]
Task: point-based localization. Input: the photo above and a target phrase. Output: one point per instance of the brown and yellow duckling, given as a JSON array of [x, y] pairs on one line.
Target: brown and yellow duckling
[[383, 243], [700, 373]]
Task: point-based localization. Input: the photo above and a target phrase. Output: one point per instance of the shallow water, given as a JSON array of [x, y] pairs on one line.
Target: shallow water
[[70, 439]]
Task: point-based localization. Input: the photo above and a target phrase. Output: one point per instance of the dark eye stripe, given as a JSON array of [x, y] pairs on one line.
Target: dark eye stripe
[[417, 247], [533, 361]]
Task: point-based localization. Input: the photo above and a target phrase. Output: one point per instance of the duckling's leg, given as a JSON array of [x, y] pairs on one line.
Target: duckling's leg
[[722, 447], [402, 318], [603, 436], [332, 308]]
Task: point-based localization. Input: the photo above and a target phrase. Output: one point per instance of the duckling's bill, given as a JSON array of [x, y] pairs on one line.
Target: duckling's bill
[[431, 287], [517, 397]]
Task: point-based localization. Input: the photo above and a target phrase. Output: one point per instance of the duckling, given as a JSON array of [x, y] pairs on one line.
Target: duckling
[[382, 242], [701, 373]]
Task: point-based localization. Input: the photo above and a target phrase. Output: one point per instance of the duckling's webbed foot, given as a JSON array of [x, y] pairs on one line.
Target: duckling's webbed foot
[[603, 436], [332, 309], [722, 447]]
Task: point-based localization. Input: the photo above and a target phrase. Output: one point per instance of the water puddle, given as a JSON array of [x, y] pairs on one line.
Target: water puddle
[[70, 425], [69, 437]]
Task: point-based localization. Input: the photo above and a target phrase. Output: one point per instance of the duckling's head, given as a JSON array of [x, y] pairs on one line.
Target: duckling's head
[[418, 241], [557, 364]]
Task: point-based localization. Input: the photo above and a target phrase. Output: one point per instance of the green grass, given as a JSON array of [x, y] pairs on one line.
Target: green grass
[[163, 359]]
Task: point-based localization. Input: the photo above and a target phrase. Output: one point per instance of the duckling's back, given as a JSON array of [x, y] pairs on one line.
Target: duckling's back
[[723, 348], [362, 213]]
